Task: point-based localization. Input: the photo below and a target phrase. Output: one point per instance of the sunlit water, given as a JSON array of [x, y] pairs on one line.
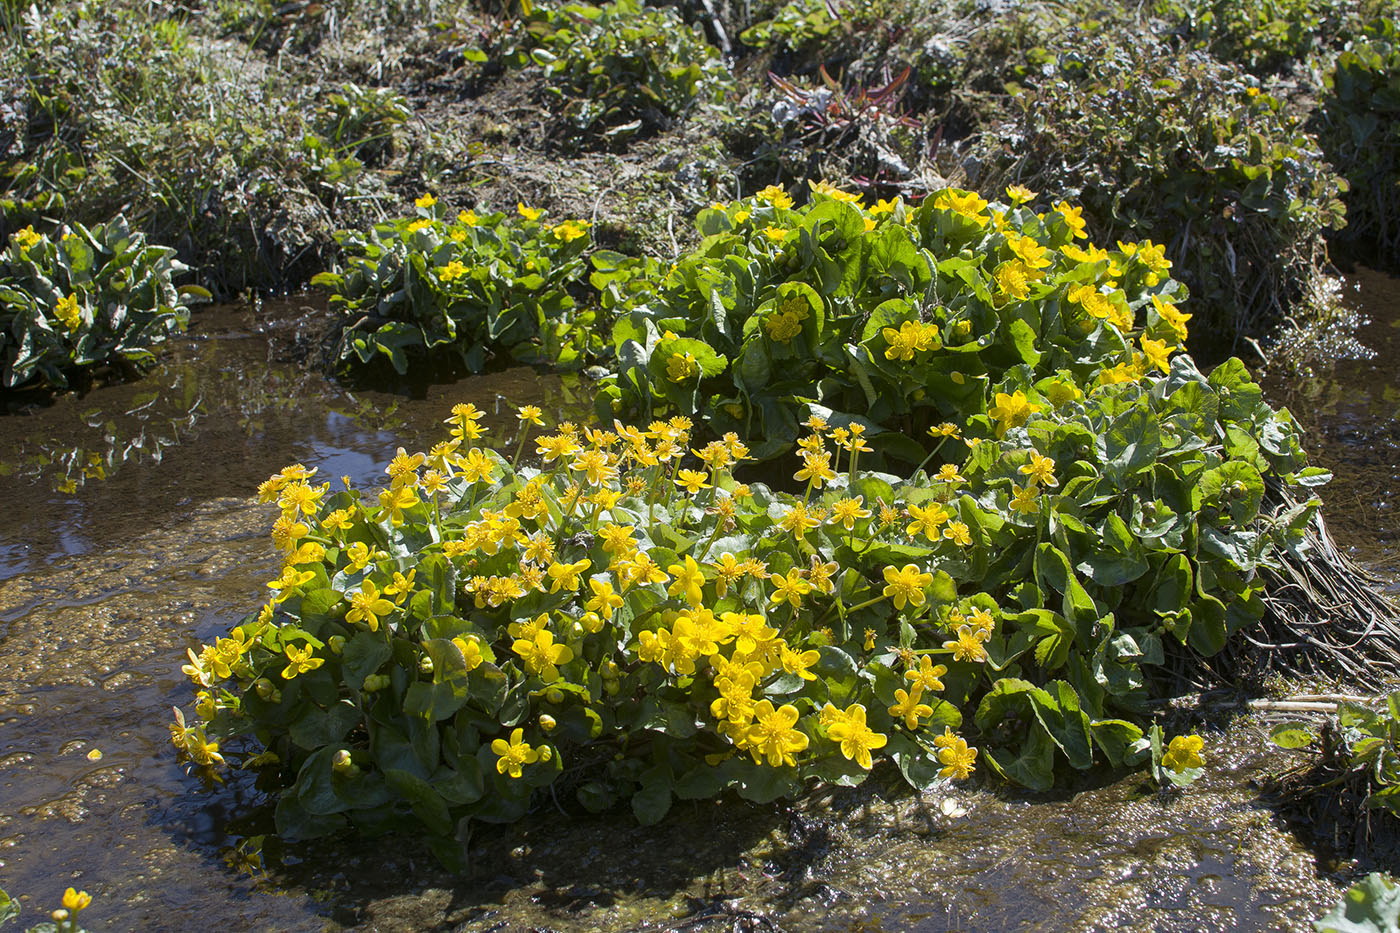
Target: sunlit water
[[102, 589]]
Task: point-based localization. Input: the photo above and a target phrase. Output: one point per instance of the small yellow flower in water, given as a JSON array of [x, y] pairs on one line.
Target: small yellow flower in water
[[681, 367], [512, 756], [76, 901], [95, 755], [1184, 753], [529, 213]]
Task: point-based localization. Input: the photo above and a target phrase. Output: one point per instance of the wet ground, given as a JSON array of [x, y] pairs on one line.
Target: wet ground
[[159, 547]]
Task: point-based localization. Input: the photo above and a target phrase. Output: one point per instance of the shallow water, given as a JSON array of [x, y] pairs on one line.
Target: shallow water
[[101, 590]]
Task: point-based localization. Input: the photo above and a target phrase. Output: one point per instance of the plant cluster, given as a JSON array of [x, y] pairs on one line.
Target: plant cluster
[[630, 619], [1187, 151], [84, 297], [899, 318], [435, 287], [108, 109], [619, 69], [1358, 125], [1361, 754]]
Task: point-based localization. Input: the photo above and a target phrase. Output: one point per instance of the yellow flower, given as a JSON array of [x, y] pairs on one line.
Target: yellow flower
[[75, 901], [542, 656], [681, 367], [1012, 411], [420, 225], [529, 213], [368, 606], [1157, 352], [966, 203], [468, 218], [27, 238], [300, 661], [857, 739], [512, 756], [789, 588], [816, 468], [846, 512], [955, 755], [688, 580], [451, 272], [1073, 219], [775, 234], [828, 190], [775, 196], [530, 414], [927, 519], [906, 586], [395, 500], [1023, 499], [1012, 279], [782, 326], [1184, 753], [566, 576], [1019, 194], [67, 312], [908, 708], [1041, 470], [968, 645], [772, 736], [570, 230], [926, 676], [959, 534], [425, 202], [604, 601]]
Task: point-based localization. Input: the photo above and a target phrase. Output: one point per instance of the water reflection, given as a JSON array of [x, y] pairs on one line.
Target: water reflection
[[1351, 411], [227, 406]]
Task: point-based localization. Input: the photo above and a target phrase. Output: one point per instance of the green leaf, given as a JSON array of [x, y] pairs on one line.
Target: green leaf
[[1291, 735], [1372, 905], [427, 804], [652, 801]]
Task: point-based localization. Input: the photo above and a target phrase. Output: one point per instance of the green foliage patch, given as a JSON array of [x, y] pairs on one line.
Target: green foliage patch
[[1358, 125], [616, 70], [84, 297], [1187, 151], [432, 288]]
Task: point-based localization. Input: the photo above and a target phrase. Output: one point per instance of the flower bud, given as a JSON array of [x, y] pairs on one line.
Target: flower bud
[[546, 753], [547, 722], [554, 695], [264, 688], [342, 764], [336, 643], [425, 664], [611, 687]]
